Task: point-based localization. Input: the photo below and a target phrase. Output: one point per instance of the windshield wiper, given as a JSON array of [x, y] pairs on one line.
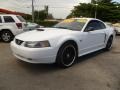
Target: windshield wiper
[[39, 29], [63, 28]]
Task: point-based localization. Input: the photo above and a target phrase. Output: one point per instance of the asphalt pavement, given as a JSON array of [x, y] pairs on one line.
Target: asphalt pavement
[[96, 71]]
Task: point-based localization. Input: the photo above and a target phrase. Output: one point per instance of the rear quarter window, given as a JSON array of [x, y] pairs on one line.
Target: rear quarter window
[[21, 18], [97, 25], [102, 25], [8, 19]]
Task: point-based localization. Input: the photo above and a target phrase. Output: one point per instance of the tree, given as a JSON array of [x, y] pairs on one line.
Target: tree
[[101, 1], [106, 10], [50, 16], [27, 17], [40, 15]]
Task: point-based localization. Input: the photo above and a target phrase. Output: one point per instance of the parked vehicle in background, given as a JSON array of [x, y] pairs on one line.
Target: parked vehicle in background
[[117, 27], [63, 43], [109, 24], [32, 26], [11, 25]]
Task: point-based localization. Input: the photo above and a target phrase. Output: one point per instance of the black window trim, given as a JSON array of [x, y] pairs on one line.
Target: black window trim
[[103, 24], [85, 30], [9, 21]]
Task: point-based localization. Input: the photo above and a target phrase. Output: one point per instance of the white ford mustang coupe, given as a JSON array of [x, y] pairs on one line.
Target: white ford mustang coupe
[[64, 42]]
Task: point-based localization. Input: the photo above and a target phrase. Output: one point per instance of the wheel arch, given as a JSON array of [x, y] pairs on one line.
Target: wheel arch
[[72, 41], [65, 43], [6, 30], [111, 35], [109, 32]]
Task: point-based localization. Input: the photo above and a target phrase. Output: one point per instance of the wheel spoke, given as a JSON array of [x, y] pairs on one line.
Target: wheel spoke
[[6, 36]]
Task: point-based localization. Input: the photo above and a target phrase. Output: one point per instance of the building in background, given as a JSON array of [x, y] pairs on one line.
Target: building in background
[[5, 11]]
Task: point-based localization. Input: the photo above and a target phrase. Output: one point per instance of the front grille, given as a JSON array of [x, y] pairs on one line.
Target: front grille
[[18, 42]]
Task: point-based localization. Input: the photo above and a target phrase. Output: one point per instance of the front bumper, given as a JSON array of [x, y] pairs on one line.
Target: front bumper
[[34, 55]]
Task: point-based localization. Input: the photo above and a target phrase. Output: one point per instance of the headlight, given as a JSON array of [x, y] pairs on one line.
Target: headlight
[[37, 44]]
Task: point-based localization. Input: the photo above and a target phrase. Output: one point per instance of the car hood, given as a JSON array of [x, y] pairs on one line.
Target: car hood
[[43, 34]]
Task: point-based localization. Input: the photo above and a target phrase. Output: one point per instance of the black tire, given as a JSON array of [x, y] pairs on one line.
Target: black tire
[[6, 36], [109, 43], [67, 55]]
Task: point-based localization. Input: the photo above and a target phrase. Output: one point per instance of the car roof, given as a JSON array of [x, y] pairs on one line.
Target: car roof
[[87, 18]]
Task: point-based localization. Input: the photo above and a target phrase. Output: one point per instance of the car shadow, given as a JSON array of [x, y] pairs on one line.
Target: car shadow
[[1, 41], [117, 34], [89, 56], [38, 68], [46, 68]]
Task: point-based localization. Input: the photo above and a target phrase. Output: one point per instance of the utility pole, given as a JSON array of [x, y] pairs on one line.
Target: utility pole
[[33, 11], [46, 9], [96, 9]]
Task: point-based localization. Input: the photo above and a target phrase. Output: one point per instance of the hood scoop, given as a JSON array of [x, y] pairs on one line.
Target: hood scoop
[[39, 29]]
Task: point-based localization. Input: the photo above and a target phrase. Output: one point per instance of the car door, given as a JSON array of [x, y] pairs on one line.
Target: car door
[[9, 21], [93, 37]]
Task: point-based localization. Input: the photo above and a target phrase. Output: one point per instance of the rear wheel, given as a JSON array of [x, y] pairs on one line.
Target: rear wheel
[[7, 36], [66, 55], [109, 43]]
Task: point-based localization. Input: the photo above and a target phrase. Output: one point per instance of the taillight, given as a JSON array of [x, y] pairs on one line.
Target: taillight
[[19, 25]]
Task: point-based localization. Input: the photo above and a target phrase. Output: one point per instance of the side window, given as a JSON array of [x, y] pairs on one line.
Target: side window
[[0, 20], [95, 25], [8, 19], [102, 25]]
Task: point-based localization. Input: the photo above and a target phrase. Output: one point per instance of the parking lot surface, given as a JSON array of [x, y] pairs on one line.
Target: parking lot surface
[[96, 71]]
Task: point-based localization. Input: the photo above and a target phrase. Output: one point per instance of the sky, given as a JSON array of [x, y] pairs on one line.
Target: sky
[[59, 8]]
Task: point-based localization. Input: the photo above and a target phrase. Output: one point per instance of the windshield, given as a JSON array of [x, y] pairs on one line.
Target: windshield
[[72, 24]]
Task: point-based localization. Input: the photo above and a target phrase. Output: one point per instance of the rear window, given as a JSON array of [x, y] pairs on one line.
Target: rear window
[[21, 19], [8, 19], [0, 20]]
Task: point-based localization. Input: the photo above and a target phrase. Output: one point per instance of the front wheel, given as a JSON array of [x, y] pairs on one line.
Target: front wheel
[[67, 54], [109, 43]]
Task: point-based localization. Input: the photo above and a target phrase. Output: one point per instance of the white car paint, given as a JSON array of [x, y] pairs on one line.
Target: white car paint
[[11, 26], [87, 42]]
